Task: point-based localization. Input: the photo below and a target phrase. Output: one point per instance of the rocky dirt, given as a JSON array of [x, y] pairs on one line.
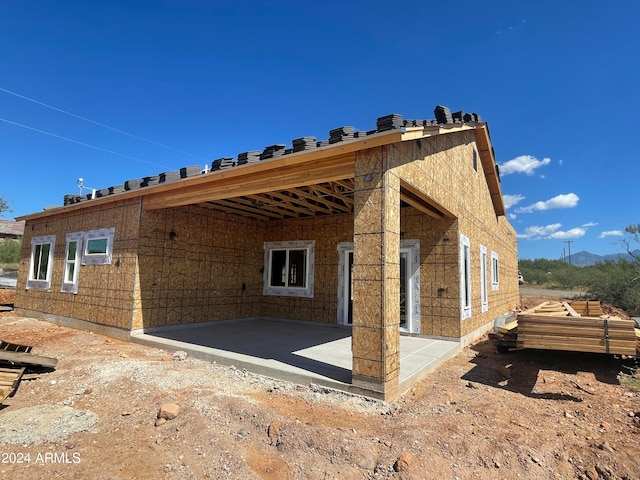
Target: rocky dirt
[[7, 296], [482, 415]]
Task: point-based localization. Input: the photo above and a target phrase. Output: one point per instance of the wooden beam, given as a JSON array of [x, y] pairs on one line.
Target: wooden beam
[[291, 202], [490, 169], [317, 198], [348, 202], [422, 202], [21, 358], [232, 211], [346, 183], [283, 204], [231, 204], [418, 205], [263, 180]]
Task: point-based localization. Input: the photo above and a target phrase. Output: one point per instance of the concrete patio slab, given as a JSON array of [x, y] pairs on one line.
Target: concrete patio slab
[[300, 352]]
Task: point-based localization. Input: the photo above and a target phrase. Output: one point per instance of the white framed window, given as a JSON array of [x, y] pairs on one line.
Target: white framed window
[[288, 268], [465, 277], [484, 290], [98, 246], [495, 276], [41, 263], [72, 254]]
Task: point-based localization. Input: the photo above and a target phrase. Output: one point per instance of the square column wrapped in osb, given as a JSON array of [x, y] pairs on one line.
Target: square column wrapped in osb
[[376, 276]]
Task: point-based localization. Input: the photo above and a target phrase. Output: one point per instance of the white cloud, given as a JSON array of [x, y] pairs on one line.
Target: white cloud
[[552, 232], [568, 200], [539, 232], [611, 233], [573, 233], [590, 224], [511, 200], [560, 162], [512, 216], [526, 164]]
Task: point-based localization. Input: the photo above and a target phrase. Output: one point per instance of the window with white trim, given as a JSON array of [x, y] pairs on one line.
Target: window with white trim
[[98, 246], [484, 290], [465, 277], [72, 255], [41, 264], [495, 276], [288, 268]]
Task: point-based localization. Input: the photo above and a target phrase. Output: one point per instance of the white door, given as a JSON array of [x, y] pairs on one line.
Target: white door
[[409, 285]]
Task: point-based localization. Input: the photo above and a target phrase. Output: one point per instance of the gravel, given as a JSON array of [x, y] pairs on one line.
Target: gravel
[[44, 423]]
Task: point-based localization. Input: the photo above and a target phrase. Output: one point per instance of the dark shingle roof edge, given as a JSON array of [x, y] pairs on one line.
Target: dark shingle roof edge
[[443, 117]]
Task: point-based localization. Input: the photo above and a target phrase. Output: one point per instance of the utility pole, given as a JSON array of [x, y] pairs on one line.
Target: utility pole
[[569, 242]]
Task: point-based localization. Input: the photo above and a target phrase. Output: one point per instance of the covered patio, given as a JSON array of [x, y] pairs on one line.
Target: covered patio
[[309, 353]]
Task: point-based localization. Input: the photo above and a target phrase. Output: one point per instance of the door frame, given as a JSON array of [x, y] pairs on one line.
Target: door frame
[[413, 312]]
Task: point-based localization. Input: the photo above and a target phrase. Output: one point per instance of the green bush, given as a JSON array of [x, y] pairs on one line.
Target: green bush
[[10, 251], [617, 283]]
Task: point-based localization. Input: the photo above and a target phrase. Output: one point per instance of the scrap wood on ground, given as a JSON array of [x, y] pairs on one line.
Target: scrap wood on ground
[[15, 360]]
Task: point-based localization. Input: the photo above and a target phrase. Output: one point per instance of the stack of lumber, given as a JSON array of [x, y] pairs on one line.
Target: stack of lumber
[[590, 308], [638, 341], [508, 333], [558, 326]]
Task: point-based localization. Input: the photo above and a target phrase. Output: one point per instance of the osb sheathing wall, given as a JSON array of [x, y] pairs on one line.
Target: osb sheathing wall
[[196, 265], [327, 231], [439, 278], [105, 292], [442, 168], [376, 274]]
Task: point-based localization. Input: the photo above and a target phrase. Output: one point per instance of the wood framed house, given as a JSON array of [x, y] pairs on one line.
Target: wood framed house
[[396, 231]]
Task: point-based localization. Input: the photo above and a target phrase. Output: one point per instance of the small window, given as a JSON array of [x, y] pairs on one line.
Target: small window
[[98, 246], [475, 160], [495, 276], [289, 268], [465, 276], [41, 263], [484, 291], [72, 262]]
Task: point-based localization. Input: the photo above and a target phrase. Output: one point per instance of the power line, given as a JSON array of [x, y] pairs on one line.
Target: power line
[[79, 142], [101, 124]]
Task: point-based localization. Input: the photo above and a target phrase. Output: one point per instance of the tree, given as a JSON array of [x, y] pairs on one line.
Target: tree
[[4, 205], [634, 231]]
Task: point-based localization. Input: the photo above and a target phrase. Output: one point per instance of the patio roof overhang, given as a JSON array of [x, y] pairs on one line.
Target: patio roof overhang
[[307, 183]]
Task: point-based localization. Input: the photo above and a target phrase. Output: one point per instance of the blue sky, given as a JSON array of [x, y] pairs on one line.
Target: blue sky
[[181, 83]]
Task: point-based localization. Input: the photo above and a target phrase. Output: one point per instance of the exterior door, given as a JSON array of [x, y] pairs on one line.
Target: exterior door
[[405, 292], [348, 294], [409, 286]]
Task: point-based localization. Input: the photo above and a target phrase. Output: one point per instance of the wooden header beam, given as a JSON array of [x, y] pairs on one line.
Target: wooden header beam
[[422, 202], [260, 180]]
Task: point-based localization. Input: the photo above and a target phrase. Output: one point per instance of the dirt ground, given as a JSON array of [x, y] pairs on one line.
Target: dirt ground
[[482, 415], [7, 296]]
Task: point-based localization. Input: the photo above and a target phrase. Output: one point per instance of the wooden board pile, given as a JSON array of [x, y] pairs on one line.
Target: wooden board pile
[[590, 308], [507, 336], [14, 361], [9, 380], [560, 326]]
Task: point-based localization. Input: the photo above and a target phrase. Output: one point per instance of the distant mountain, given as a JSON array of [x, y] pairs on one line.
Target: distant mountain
[[584, 258]]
